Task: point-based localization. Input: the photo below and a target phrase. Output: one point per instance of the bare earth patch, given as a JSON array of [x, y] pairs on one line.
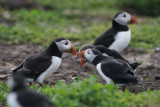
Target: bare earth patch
[[148, 73]]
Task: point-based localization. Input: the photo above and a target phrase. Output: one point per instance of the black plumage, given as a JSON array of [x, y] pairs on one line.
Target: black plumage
[[118, 70], [112, 53], [38, 63], [25, 97], [108, 37]]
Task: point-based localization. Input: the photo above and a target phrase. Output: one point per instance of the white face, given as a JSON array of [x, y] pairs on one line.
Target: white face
[[123, 18], [64, 45], [89, 55]]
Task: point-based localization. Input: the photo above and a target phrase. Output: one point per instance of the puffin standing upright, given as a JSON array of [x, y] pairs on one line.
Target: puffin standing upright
[[109, 52], [110, 69], [20, 96], [119, 35], [41, 65]]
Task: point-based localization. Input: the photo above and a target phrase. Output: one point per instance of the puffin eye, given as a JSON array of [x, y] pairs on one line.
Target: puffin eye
[[88, 52], [124, 15], [66, 43]]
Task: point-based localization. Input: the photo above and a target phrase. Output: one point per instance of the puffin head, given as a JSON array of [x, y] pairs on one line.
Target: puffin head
[[88, 55], [125, 18], [86, 47], [16, 81], [64, 45]]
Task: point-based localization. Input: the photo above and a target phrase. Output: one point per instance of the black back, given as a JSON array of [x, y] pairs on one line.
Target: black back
[[118, 70], [112, 53], [29, 98], [33, 66], [107, 38]]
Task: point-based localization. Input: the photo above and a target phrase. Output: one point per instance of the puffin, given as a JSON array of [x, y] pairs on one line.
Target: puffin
[[20, 96], [109, 52], [111, 70], [119, 35], [39, 66]]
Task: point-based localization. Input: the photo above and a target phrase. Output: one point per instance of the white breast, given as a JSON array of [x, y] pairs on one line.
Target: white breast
[[107, 79], [122, 40], [12, 100], [56, 62]]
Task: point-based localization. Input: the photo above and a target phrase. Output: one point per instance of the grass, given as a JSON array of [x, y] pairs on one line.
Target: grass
[[76, 20], [90, 93]]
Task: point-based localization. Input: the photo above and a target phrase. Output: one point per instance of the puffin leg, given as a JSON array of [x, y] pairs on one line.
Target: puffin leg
[[40, 84], [122, 87], [31, 84]]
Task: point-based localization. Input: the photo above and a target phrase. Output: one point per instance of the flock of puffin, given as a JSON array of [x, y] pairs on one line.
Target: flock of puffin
[[103, 54]]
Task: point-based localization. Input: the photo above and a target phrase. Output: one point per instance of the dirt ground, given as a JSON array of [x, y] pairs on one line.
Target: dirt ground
[[148, 72]]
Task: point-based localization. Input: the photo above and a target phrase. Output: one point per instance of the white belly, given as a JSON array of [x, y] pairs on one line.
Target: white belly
[[12, 100], [56, 62], [107, 79], [122, 40]]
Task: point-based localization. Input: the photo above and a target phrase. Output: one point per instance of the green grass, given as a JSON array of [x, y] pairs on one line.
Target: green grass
[[90, 93], [85, 18]]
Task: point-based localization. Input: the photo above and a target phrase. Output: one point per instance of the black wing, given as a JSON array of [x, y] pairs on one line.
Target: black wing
[[106, 38], [29, 98], [119, 72], [34, 66], [110, 52], [116, 55]]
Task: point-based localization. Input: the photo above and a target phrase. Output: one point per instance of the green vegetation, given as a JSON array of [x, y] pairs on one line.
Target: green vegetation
[[143, 6], [76, 20], [89, 93]]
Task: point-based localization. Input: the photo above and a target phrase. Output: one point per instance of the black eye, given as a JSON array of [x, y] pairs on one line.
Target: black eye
[[66, 43], [124, 15]]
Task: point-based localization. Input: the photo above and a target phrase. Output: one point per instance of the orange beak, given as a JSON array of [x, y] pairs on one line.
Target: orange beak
[[72, 50], [133, 20], [80, 55]]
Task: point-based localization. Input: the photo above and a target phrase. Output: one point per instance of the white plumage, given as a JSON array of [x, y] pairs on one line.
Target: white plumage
[[122, 40]]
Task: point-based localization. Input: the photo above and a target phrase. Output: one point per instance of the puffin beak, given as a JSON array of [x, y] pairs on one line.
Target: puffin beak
[[133, 20], [72, 50], [82, 57]]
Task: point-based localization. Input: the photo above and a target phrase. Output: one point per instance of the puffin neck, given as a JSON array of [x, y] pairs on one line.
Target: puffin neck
[[98, 59], [53, 50], [118, 27], [18, 87]]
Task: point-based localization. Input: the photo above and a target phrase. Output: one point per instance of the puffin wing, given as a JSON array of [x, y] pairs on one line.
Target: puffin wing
[[21, 65], [37, 64], [118, 72], [110, 52], [29, 98], [34, 65], [106, 38]]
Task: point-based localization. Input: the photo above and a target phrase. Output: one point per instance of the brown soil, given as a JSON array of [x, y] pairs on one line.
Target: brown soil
[[148, 73]]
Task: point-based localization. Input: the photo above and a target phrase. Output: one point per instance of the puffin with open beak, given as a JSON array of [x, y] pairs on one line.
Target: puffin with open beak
[[119, 35], [110, 69], [41, 65]]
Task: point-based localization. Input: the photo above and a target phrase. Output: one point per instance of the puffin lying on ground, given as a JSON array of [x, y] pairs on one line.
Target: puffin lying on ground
[[109, 52], [119, 35], [20, 96], [110, 69], [41, 65]]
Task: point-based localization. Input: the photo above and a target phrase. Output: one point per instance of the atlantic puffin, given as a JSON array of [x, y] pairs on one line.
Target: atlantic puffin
[[110, 69], [41, 65], [20, 96], [119, 35], [109, 52]]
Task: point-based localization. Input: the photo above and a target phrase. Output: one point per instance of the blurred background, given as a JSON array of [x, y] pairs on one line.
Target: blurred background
[[27, 26], [41, 21]]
